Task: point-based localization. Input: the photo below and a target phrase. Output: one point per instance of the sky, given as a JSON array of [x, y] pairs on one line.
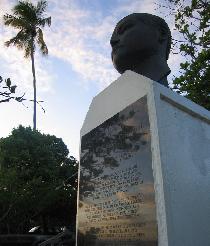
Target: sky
[[77, 68]]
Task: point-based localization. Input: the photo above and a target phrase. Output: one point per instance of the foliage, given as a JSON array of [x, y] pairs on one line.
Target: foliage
[[192, 20], [37, 181], [8, 92], [29, 19]]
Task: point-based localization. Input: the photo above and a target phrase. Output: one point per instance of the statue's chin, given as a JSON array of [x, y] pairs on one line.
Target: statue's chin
[[123, 61], [121, 66], [120, 69]]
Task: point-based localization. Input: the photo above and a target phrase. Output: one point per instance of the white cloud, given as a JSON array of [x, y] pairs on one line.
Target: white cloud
[[136, 6], [81, 38]]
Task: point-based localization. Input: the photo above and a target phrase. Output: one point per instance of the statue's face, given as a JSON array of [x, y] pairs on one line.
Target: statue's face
[[132, 42]]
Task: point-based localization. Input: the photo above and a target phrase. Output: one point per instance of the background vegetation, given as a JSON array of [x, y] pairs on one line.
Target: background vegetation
[[38, 182]]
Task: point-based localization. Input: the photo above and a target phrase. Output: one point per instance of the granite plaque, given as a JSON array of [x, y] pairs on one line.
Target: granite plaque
[[116, 187]]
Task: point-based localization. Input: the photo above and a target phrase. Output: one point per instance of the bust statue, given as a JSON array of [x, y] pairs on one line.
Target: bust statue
[[141, 42]]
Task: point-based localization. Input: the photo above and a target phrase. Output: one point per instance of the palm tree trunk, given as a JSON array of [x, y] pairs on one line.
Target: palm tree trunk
[[34, 86]]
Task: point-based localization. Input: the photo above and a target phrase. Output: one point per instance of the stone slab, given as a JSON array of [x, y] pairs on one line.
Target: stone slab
[[117, 200], [179, 161]]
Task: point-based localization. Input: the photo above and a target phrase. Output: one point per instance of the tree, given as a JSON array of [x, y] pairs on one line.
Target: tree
[[192, 20], [29, 19], [38, 182]]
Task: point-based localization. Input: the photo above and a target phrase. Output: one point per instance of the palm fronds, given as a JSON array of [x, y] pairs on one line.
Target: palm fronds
[[44, 21], [41, 42], [29, 19], [16, 22], [41, 7]]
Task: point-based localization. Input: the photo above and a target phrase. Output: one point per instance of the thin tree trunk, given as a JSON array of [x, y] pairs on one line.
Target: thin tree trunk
[[34, 86], [44, 223], [6, 213]]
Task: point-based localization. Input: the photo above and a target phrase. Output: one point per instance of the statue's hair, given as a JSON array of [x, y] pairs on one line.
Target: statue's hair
[[159, 23]]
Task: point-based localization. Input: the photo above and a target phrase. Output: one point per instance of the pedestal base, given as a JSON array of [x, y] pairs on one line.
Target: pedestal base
[[144, 168]]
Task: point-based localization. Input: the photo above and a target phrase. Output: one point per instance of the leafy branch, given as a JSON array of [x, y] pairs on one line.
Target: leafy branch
[[192, 22], [8, 91]]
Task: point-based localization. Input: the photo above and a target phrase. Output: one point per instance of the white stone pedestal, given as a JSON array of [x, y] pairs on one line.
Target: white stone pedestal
[[180, 159]]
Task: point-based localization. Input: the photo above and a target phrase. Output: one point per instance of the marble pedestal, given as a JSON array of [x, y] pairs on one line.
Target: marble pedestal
[[144, 168]]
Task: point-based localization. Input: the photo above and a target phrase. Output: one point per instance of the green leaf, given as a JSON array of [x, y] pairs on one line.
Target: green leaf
[[8, 82], [12, 88]]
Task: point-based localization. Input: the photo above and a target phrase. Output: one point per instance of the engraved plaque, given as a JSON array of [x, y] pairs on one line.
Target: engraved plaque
[[116, 187]]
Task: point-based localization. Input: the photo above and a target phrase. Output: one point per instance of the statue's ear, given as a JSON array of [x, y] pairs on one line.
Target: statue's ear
[[163, 34]]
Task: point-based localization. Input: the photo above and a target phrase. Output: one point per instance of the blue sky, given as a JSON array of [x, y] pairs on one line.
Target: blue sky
[[77, 68]]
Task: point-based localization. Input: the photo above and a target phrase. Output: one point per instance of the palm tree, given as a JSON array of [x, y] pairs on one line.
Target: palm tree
[[29, 19]]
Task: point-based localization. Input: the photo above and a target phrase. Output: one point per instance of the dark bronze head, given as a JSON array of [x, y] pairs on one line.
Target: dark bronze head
[[141, 42]]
